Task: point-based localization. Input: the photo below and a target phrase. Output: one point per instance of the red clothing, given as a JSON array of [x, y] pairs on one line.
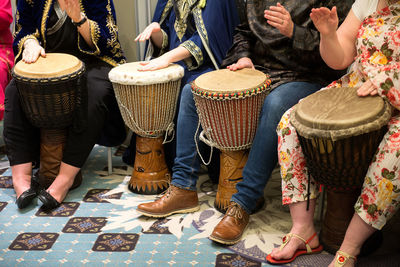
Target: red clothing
[[6, 52]]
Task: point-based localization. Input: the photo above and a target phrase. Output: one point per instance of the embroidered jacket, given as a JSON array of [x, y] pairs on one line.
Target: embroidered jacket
[[204, 28], [32, 22]]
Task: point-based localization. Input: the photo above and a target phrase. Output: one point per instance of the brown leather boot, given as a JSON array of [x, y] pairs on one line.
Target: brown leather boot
[[230, 229], [175, 200]]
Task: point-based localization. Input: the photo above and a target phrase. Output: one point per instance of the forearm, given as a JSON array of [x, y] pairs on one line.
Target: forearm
[[84, 31], [177, 54], [332, 51]]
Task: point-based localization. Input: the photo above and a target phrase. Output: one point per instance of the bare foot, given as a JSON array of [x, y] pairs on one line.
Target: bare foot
[[60, 187], [295, 243], [21, 183]]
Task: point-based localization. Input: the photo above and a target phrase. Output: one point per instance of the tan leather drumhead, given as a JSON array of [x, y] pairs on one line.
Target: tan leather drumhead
[[226, 81], [51, 66], [128, 74], [338, 108]]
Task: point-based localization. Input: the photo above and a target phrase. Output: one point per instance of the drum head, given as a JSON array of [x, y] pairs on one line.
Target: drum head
[[128, 74], [339, 111], [51, 66], [230, 82]]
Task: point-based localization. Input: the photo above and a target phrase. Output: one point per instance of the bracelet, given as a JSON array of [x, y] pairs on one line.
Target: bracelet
[[79, 23]]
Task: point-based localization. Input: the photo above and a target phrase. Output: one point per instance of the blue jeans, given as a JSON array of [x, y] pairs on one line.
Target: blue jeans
[[187, 163], [263, 155]]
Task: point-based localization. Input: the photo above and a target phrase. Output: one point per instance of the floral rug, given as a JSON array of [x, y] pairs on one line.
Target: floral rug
[[98, 225]]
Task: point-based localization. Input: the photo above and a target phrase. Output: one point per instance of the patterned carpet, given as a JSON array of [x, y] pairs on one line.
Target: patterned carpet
[[97, 225]]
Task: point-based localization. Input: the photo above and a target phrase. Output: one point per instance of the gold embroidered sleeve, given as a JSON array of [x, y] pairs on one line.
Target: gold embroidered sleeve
[[196, 52], [94, 35]]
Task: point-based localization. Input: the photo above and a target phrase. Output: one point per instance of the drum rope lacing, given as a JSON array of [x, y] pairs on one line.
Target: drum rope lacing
[[205, 141], [168, 132], [168, 95]]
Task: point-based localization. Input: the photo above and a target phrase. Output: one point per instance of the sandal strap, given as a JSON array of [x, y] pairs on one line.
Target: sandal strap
[[342, 257], [289, 236]]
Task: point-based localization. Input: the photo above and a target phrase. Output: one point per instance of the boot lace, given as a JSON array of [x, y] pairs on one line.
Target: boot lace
[[234, 210]]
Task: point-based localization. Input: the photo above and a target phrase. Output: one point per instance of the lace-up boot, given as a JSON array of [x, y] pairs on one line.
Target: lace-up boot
[[174, 200], [230, 229]]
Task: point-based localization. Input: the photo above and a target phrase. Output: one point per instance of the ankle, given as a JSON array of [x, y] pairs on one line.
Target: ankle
[[350, 249], [21, 183]]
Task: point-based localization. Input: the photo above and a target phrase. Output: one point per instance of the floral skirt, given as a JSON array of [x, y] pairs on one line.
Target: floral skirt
[[380, 195]]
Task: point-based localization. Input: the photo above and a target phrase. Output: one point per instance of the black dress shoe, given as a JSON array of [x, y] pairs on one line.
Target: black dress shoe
[[28, 195], [26, 198], [49, 202]]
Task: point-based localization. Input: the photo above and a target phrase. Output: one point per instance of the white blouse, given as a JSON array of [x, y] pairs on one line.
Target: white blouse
[[364, 8]]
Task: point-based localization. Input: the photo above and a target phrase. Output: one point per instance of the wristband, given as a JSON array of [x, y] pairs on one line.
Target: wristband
[[79, 23]]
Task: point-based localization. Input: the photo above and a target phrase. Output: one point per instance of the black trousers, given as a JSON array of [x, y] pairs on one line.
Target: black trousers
[[22, 139]]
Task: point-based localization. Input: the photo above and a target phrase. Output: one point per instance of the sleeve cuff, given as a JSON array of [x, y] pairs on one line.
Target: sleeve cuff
[[94, 36], [196, 52]]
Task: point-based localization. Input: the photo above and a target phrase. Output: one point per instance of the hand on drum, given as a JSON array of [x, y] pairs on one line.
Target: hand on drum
[[32, 51], [278, 17], [368, 88], [73, 9], [326, 21], [146, 34], [242, 63], [154, 64]]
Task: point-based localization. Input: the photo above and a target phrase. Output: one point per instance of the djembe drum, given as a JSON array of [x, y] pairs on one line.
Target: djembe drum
[[339, 133], [147, 101], [52, 94], [228, 104]]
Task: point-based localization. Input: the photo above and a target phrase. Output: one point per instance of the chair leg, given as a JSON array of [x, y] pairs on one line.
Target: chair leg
[[109, 154]]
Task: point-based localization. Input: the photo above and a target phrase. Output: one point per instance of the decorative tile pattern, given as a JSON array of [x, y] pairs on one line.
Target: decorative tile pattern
[[98, 196], [66, 209], [187, 245], [157, 228], [229, 259], [116, 242], [2, 205], [6, 182], [85, 225], [34, 241]]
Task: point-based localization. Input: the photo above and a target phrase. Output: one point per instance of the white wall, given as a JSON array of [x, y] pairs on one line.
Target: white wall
[[132, 17]]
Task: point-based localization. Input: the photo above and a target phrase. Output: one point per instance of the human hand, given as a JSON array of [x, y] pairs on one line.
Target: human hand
[[368, 88], [73, 9], [146, 34], [32, 51], [154, 64], [278, 17], [326, 21], [242, 63]]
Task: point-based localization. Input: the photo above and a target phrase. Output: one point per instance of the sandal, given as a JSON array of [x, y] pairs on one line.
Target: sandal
[[342, 258], [299, 252]]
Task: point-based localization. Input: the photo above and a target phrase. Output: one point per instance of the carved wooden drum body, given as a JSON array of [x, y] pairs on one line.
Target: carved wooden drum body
[[339, 133], [147, 101], [229, 104], [53, 96]]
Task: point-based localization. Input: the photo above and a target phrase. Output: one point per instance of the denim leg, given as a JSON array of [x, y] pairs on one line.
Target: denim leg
[[186, 164], [263, 155]]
